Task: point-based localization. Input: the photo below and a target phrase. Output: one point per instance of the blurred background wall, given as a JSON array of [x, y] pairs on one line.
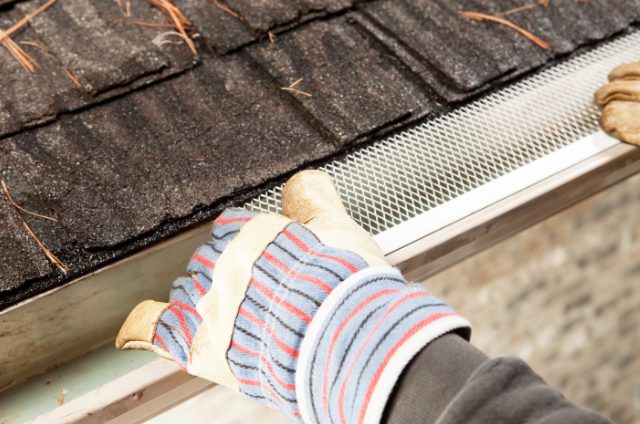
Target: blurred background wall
[[565, 296]]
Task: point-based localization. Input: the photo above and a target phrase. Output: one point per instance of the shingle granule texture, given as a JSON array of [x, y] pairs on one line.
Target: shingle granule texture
[[156, 139]]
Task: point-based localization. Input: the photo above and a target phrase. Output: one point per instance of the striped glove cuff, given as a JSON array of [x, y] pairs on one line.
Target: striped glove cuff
[[360, 340]]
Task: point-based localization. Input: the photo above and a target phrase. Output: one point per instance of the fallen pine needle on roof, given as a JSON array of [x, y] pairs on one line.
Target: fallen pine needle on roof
[[49, 254], [26, 61], [22, 22], [516, 10], [18, 53], [150, 24], [292, 88], [180, 21], [125, 7], [484, 17], [272, 37], [36, 45], [73, 78], [7, 193], [226, 9], [46, 52]]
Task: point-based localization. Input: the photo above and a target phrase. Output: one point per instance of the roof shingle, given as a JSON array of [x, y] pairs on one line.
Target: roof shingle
[[87, 40], [356, 88], [150, 144]]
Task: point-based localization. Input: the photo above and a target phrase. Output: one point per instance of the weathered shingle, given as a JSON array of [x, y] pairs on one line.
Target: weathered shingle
[[75, 30], [263, 15], [89, 41], [355, 87], [456, 56], [18, 248], [229, 24], [31, 98], [432, 31], [220, 31], [217, 131], [122, 164]]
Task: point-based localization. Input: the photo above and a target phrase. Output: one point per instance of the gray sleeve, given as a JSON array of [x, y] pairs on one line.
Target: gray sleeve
[[451, 382]]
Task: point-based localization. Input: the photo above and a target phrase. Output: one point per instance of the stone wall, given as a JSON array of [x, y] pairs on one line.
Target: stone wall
[[565, 296]]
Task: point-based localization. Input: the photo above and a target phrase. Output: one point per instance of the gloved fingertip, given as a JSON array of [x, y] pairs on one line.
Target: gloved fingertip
[[626, 71], [140, 325], [309, 194]]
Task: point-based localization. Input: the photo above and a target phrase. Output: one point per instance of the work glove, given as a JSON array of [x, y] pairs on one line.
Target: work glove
[[299, 311], [620, 103]]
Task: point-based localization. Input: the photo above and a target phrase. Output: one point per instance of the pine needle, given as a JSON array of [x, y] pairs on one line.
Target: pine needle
[[484, 17], [125, 7], [73, 78], [516, 10], [226, 9], [49, 254], [151, 24], [22, 22], [292, 88], [36, 45], [26, 61], [7, 193], [179, 20]]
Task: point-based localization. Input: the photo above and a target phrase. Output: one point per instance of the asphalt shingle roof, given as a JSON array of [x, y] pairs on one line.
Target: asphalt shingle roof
[[155, 139]]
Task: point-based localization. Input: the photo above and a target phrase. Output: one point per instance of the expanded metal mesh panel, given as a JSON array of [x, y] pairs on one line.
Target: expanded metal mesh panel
[[428, 165]]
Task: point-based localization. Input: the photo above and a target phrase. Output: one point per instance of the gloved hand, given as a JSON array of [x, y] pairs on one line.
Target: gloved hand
[[299, 312], [620, 103]]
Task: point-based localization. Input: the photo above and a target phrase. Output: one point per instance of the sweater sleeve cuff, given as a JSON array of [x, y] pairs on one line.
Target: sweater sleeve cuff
[[362, 337]]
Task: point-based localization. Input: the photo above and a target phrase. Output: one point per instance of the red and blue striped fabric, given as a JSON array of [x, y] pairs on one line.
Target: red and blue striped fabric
[[319, 335], [289, 283], [360, 341], [178, 324]]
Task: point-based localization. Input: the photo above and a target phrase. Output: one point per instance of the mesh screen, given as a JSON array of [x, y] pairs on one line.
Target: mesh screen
[[425, 166]]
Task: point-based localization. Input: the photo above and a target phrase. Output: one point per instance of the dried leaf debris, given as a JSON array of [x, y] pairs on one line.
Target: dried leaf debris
[[49, 254]]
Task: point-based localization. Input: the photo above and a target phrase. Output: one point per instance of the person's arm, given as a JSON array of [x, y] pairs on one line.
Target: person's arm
[[301, 312], [452, 382]]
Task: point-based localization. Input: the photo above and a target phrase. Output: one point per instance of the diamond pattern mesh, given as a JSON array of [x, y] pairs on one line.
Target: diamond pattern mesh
[[425, 166]]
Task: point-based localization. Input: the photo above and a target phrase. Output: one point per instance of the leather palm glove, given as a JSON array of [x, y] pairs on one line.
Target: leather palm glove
[[299, 311], [620, 103]]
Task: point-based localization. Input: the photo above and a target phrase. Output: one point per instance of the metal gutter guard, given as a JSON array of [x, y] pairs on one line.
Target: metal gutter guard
[[424, 178], [431, 196]]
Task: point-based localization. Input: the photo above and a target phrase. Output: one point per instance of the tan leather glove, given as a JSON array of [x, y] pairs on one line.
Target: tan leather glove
[[619, 101], [310, 198], [298, 311]]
